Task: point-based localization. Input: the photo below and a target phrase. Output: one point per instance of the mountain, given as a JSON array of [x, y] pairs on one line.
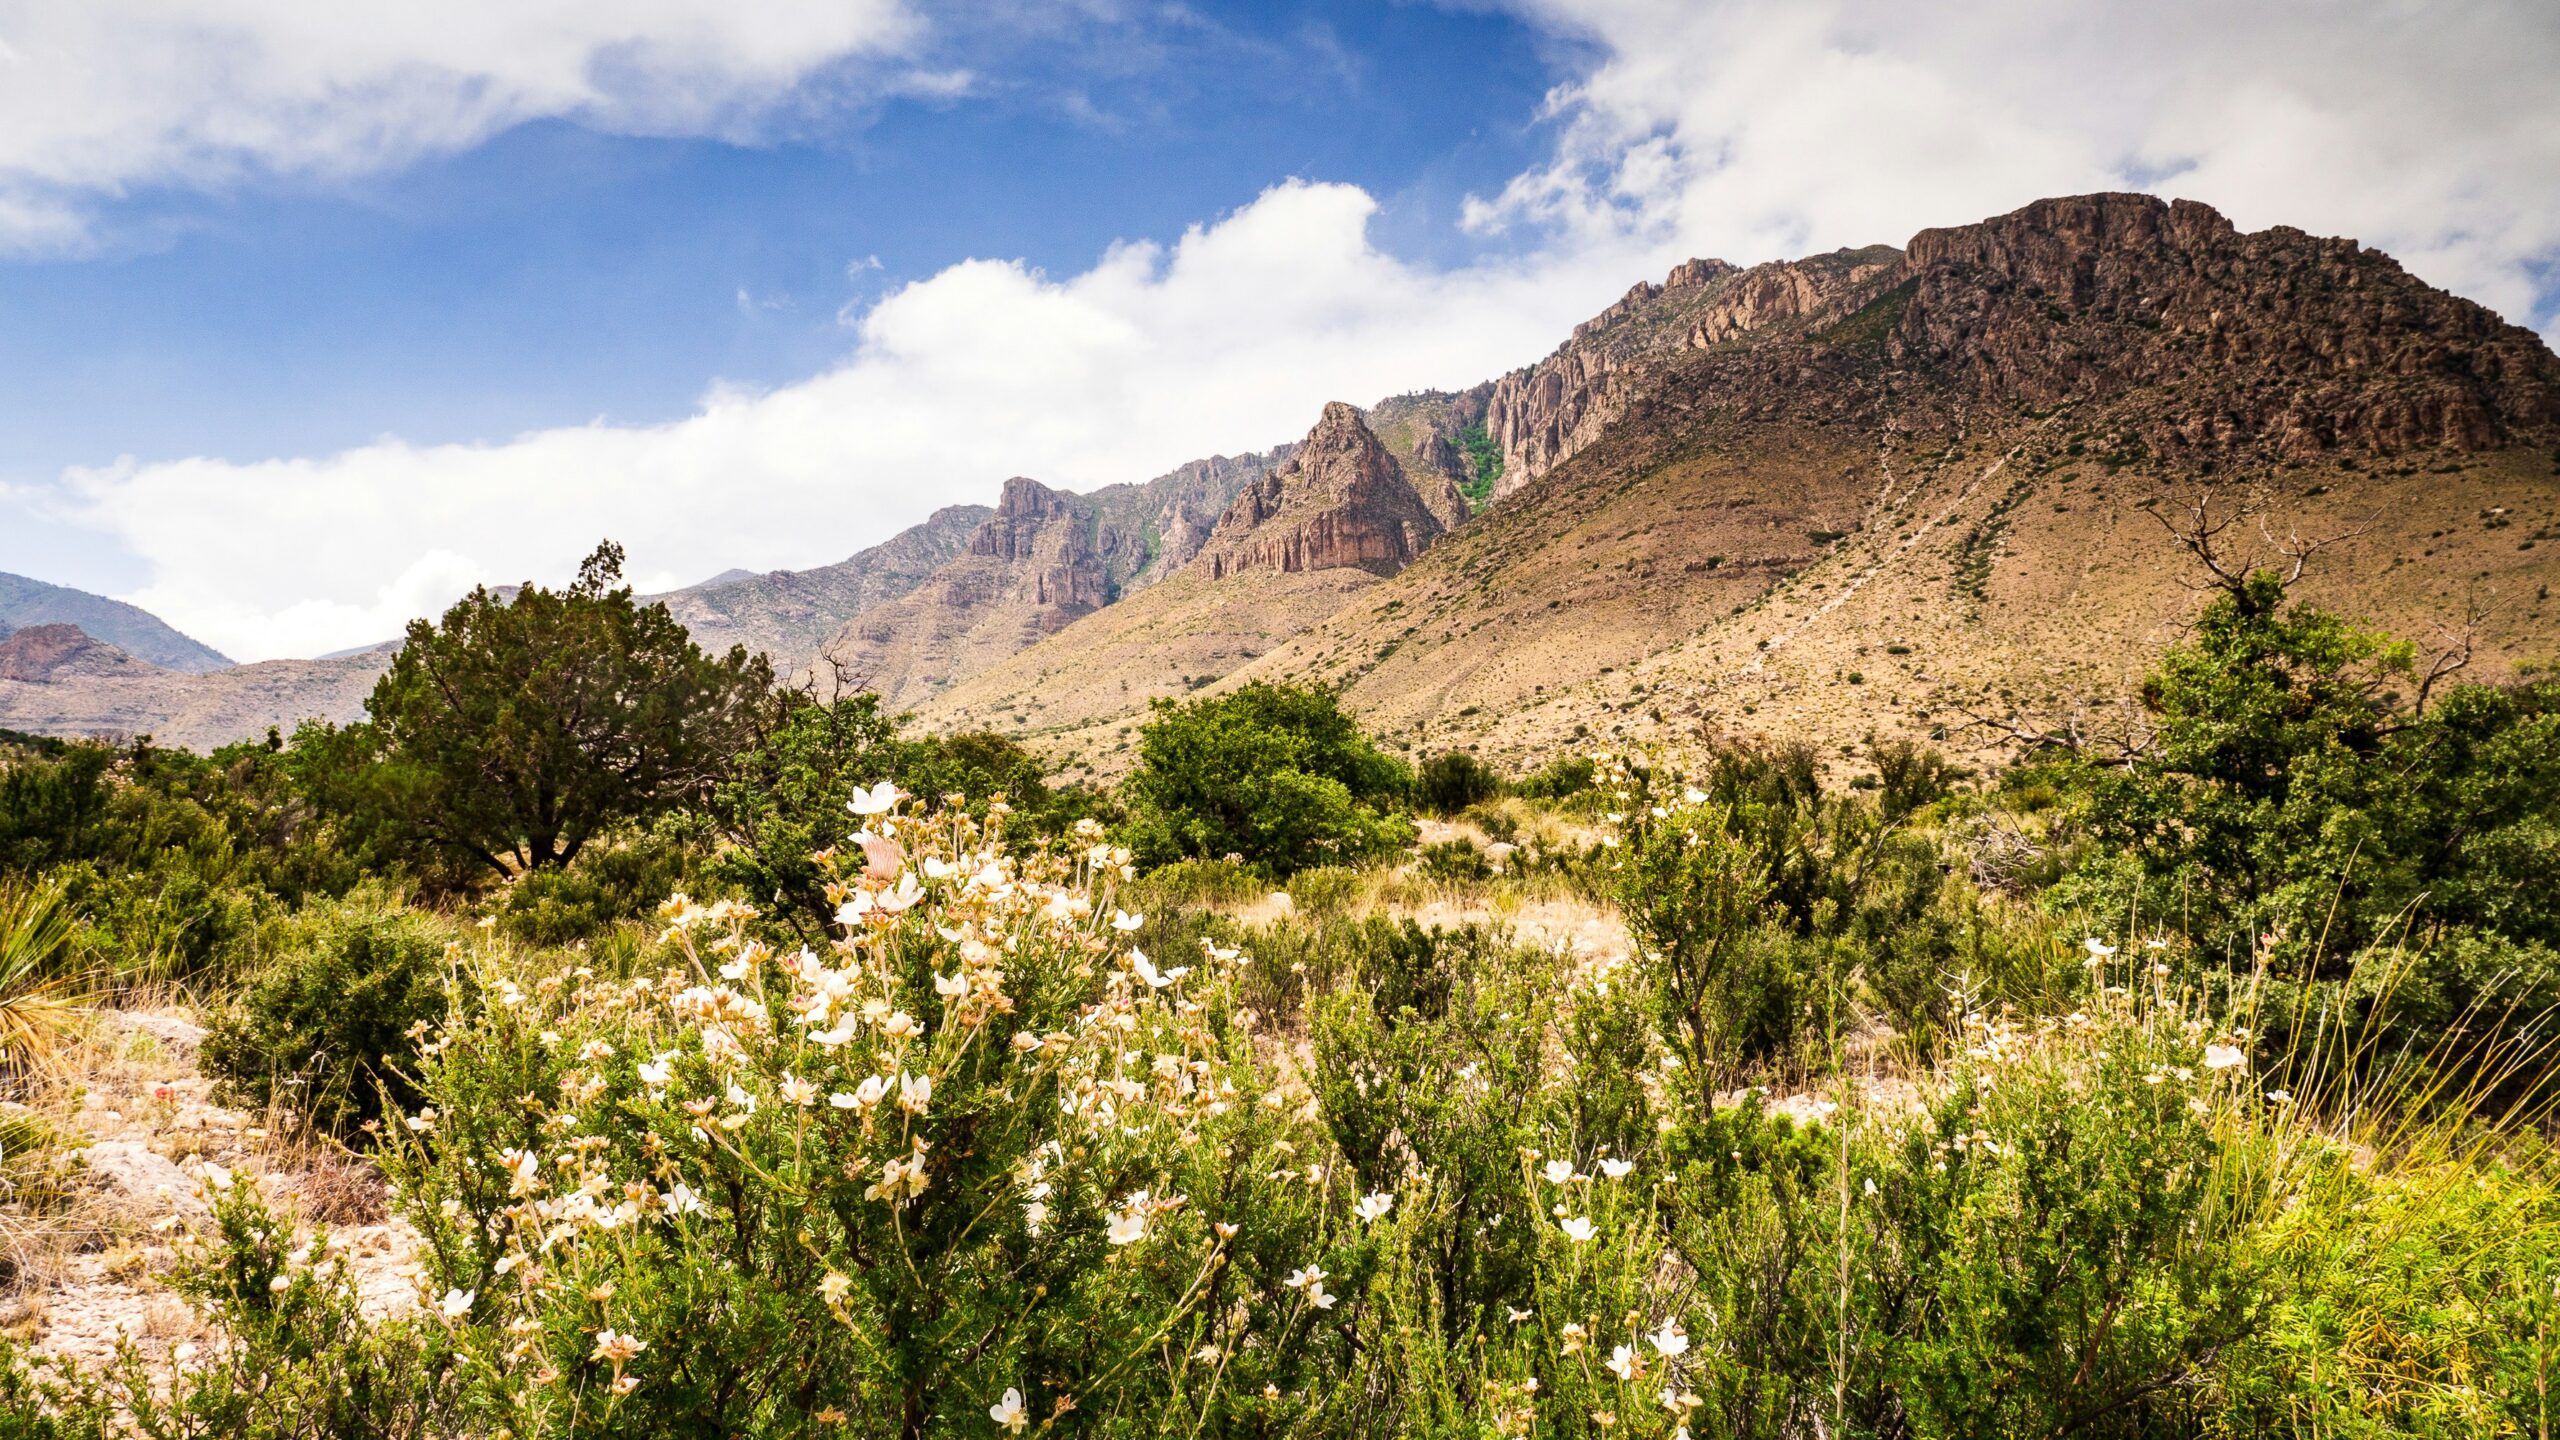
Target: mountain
[[40, 654], [1044, 559], [1334, 520], [57, 680], [1900, 490], [135, 631], [787, 614]]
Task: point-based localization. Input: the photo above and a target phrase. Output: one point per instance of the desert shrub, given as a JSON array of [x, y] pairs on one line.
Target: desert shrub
[[1424, 1067], [1558, 778], [328, 1025], [764, 1187], [1909, 775], [1455, 860], [1453, 780], [608, 883], [1200, 882], [785, 799], [1730, 984], [1276, 775], [298, 1358], [1326, 891], [2298, 809]]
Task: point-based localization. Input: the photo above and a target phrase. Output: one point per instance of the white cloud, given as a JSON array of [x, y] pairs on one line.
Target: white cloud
[[100, 97], [1768, 127], [1749, 129], [1231, 338]]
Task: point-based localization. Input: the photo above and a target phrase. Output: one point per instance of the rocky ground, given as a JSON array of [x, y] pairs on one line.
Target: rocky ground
[[90, 1279]]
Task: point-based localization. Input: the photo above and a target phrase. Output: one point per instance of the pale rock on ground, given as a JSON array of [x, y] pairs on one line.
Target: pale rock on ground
[[154, 1126]]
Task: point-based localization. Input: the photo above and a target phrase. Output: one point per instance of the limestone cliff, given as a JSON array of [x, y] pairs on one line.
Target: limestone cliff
[[1340, 502]]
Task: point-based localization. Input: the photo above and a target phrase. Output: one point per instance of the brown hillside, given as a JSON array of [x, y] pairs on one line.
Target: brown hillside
[[1930, 470]]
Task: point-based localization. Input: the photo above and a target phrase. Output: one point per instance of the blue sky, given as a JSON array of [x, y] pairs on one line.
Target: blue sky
[[317, 315], [558, 273]]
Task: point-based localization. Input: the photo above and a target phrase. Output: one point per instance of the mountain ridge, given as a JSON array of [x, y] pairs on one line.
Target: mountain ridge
[[26, 602]]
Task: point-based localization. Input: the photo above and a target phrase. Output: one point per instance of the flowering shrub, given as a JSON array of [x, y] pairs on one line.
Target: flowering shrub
[[980, 1161]]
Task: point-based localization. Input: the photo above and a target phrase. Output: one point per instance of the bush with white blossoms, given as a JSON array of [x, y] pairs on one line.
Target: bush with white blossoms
[[979, 1161]]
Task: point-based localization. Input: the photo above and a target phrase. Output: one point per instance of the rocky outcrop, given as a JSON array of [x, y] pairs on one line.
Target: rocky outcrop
[[1341, 501], [787, 614], [2274, 336], [1545, 414], [1043, 559], [44, 654]]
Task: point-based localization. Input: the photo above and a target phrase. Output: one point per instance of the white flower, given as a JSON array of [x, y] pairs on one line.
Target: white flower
[[2279, 1097], [1374, 1207], [1124, 922], [880, 799], [798, 1091], [871, 1091], [1617, 1169], [1156, 979], [835, 1287], [1669, 1339], [1008, 1412], [2098, 949], [1558, 1171], [1577, 1229], [655, 1073], [915, 1092], [1130, 1225], [456, 1303], [1625, 1363], [2224, 1057]]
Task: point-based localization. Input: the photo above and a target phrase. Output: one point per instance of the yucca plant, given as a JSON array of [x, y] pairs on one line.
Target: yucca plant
[[39, 999]]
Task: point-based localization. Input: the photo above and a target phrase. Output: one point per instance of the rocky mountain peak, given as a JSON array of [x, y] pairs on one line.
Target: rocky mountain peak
[[42, 654], [1339, 500], [2299, 341]]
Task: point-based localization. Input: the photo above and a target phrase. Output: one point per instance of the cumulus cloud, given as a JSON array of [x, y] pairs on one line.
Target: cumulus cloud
[[1773, 127], [102, 97], [1230, 338], [1748, 129]]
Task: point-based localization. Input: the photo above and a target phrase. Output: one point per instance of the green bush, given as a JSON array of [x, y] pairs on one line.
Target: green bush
[[329, 1024], [1277, 776], [1453, 780], [1456, 860], [607, 884]]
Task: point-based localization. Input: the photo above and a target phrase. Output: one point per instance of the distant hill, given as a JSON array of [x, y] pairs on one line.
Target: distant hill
[[787, 614], [135, 631]]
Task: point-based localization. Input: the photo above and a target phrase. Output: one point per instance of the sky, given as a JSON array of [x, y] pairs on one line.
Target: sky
[[312, 317]]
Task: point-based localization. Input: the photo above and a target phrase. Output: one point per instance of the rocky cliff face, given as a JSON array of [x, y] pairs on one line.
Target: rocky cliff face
[[787, 614], [1042, 560], [1544, 415], [1423, 431], [2277, 336], [1341, 501]]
